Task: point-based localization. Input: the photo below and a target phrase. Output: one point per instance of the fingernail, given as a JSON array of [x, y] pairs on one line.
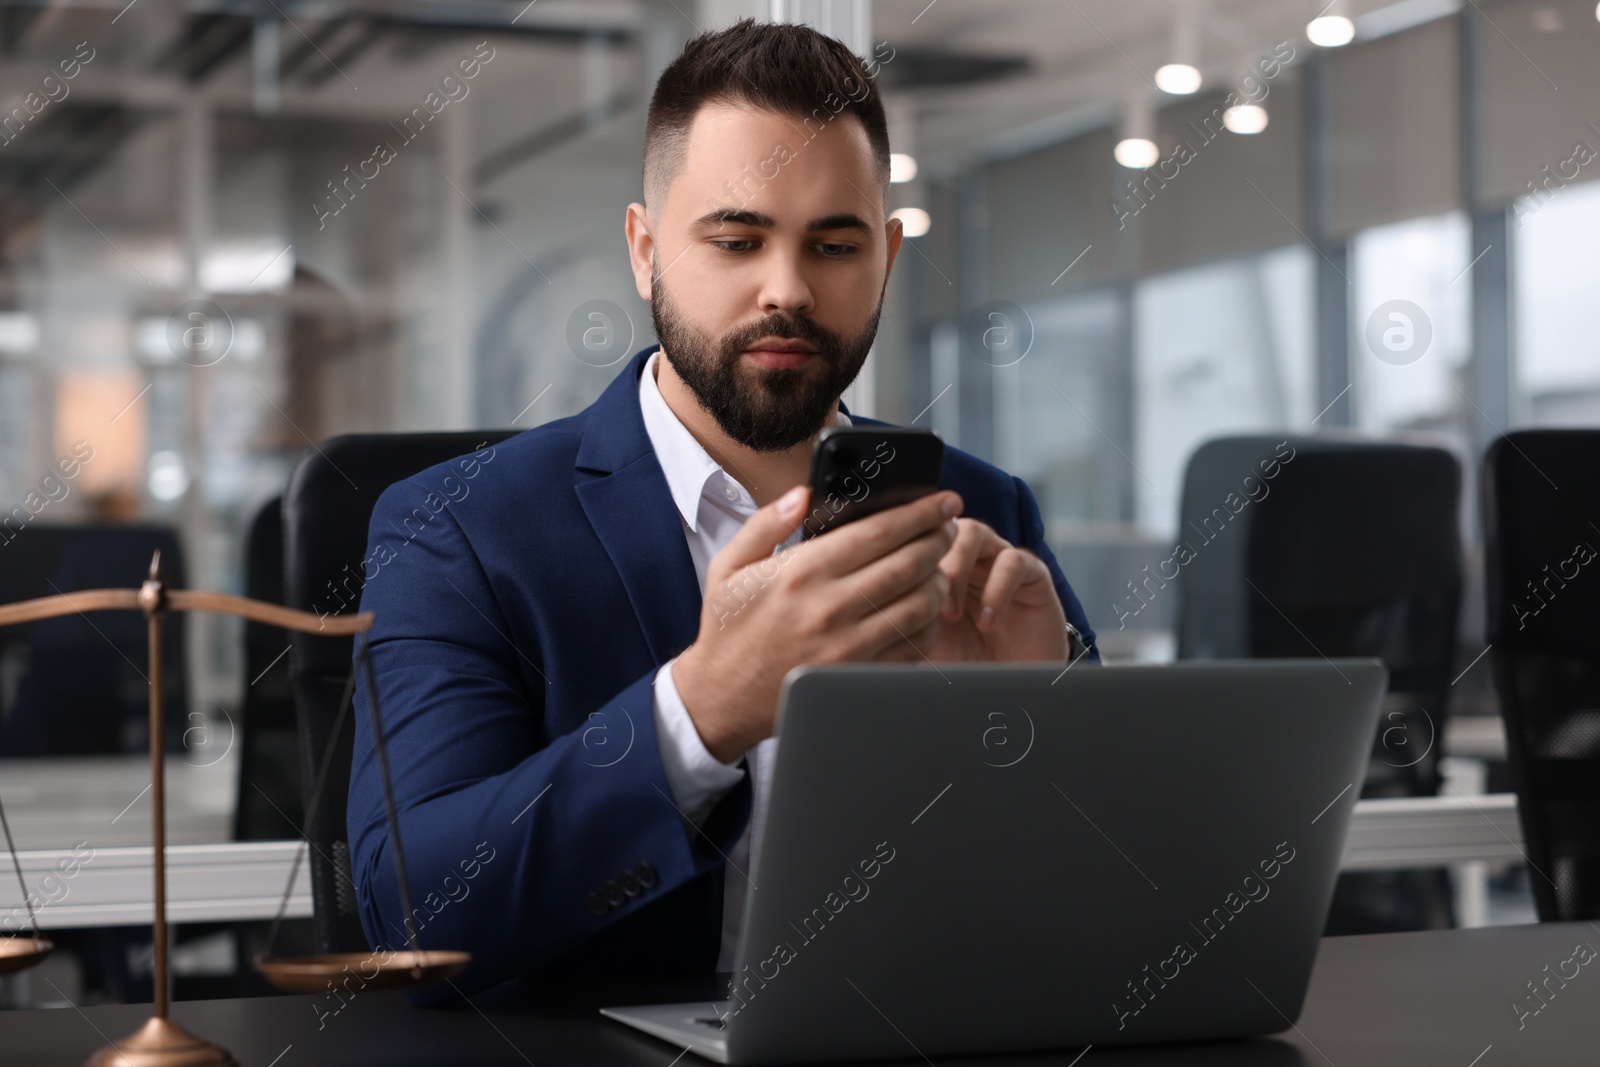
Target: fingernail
[[790, 503], [985, 618], [950, 507]]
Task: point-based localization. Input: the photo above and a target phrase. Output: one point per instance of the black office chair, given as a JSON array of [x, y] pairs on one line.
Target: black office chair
[[326, 511], [1541, 507], [1348, 548], [75, 686], [72, 687]]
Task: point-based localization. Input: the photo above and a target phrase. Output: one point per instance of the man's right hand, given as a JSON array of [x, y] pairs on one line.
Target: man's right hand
[[868, 591]]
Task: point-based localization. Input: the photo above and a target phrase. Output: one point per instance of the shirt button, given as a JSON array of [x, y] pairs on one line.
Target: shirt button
[[730, 492]]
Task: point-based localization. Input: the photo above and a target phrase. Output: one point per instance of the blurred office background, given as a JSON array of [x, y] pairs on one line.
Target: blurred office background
[[1137, 227]]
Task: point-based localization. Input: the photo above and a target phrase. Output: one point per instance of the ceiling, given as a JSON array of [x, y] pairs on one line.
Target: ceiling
[[1085, 57], [968, 76]]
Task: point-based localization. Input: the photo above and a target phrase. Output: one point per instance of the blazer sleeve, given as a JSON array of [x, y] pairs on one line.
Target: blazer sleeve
[[1031, 525], [519, 846]]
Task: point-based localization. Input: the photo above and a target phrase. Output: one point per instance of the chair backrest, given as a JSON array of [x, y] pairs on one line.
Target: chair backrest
[[1311, 546], [1541, 502], [77, 685], [269, 805], [326, 510]]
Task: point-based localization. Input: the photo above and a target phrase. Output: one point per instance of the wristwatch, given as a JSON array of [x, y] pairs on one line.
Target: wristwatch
[[1077, 648]]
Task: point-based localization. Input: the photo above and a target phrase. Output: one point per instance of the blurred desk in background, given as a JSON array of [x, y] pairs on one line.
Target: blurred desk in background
[[1391, 834], [84, 823], [91, 886], [220, 882], [57, 801]]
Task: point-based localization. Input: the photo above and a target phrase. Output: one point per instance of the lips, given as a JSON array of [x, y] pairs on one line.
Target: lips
[[780, 352]]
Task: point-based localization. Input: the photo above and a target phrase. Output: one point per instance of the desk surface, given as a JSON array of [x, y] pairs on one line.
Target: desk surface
[[1418, 1000]]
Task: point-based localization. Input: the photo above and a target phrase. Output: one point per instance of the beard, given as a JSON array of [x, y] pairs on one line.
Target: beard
[[766, 409]]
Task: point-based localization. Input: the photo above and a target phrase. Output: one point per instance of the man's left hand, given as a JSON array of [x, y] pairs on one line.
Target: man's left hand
[[1002, 603]]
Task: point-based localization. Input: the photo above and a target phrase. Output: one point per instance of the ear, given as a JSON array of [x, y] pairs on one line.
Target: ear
[[895, 232], [641, 248]]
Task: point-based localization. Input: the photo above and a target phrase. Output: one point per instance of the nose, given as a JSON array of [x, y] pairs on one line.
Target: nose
[[784, 287]]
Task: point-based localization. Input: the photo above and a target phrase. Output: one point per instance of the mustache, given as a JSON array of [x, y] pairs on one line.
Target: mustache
[[826, 342]]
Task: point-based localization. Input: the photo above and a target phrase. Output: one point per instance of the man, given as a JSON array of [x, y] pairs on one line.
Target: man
[[579, 738]]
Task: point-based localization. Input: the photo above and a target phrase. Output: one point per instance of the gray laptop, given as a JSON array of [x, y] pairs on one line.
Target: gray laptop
[[983, 858]]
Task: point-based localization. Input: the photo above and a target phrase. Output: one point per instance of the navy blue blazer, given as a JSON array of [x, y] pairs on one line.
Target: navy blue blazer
[[525, 596]]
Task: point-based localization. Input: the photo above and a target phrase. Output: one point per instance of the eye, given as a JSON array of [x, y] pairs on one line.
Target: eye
[[833, 250], [736, 246]]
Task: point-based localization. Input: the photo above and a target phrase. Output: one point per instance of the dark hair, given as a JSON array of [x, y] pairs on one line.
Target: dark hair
[[782, 67]]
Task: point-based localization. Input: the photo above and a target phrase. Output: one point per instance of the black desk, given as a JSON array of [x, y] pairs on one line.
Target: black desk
[[1411, 1000]]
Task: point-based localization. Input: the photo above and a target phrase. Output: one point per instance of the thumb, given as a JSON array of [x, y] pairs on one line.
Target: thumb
[[764, 531]]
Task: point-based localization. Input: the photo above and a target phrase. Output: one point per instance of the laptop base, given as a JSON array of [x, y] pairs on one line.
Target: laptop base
[[696, 1025]]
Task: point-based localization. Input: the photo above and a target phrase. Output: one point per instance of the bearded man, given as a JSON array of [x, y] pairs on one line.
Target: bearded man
[[572, 712]]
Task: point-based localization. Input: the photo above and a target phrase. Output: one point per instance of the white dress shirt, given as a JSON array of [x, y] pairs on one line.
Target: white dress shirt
[[713, 507]]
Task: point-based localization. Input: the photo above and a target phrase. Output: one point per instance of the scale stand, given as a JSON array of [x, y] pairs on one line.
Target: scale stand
[[161, 1042]]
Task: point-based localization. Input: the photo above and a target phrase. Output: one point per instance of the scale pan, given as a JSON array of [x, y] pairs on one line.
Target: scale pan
[[311, 974], [20, 953]]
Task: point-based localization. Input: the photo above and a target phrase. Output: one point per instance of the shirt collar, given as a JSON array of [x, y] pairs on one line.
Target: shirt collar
[[687, 465], [683, 461]]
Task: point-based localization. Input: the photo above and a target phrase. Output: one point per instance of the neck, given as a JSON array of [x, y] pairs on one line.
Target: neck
[[765, 475]]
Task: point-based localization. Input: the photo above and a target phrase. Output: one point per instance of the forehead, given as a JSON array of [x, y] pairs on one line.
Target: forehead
[[786, 166]]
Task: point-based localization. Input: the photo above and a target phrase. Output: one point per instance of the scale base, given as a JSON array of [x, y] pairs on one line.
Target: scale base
[[393, 970], [162, 1043], [20, 953]]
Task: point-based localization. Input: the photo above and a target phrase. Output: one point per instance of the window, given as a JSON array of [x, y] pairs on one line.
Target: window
[[1556, 259], [1218, 349], [1410, 323], [1054, 406]]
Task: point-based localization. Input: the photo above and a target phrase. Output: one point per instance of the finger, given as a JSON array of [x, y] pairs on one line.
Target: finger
[[958, 563], [1005, 576], [885, 580], [903, 621], [852, 546], [761, 533]]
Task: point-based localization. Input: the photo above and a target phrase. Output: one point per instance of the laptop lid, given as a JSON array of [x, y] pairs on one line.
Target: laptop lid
[[981, 858]]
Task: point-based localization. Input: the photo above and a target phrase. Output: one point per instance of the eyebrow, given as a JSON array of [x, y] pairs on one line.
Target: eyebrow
[[741, 217], [737, 217], [844, 221]]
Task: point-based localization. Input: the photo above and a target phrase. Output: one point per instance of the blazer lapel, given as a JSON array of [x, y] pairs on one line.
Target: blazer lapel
[[625, 496]]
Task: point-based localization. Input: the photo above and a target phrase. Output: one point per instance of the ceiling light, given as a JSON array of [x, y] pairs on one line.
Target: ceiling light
[[902, 168], [258, 265], [1330, 31], [1179, 79], [1136, 140], [1137, 152], [913, 220], [1181, 74], [1245, 118]]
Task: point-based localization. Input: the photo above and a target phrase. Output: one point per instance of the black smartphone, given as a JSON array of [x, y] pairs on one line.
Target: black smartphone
[[858, 471]]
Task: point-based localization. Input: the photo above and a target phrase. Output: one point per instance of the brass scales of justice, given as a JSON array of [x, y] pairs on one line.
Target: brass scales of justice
[[161, 1042]]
